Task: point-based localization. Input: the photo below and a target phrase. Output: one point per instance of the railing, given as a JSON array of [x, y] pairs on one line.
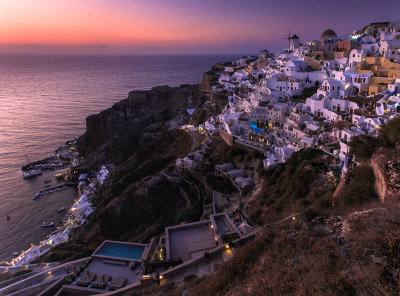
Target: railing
[[42, 277]]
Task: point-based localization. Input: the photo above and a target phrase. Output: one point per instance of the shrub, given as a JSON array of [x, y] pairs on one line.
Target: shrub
[[290, 187], [189, 278], [360, 188], [390, 133], [363, 146], [325, 202], [311, 214]]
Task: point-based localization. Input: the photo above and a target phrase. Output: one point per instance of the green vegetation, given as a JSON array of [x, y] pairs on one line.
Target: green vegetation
[[278, 263], [390, 133], [294, 186], [307, 92], [364, 146], [360, 188], [189, 278]]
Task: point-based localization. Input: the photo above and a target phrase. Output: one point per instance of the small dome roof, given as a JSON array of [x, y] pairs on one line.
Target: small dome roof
[[328, 33]]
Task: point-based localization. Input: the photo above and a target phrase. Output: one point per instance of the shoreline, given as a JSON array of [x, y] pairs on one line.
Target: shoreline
[[63, 158], [19, 192], [74, 217]]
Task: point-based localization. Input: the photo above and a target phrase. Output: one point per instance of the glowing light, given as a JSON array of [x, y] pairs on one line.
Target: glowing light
[[160, 277], [293, 218]]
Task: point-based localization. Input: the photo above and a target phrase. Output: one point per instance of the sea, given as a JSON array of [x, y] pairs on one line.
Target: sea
[[44, 101]]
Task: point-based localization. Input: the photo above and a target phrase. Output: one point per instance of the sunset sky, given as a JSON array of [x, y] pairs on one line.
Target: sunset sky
[[176, 26]]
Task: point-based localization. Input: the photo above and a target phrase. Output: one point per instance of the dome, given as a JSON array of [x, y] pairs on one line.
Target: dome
[[328, 33]]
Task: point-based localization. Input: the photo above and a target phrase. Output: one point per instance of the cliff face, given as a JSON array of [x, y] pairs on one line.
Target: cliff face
[[140, 202], [206, 83], [212, 107], [141, 136], [117, 131]]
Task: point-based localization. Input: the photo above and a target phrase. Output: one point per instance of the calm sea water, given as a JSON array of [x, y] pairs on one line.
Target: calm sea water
[[44, 101]]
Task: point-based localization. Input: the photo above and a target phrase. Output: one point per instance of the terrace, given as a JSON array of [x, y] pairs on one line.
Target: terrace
[[190, 240], [114, 265]]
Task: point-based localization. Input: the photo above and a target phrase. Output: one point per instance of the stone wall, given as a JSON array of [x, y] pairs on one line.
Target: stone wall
[[384, 164]]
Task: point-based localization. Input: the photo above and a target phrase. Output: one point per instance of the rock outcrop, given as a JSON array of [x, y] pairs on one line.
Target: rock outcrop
[[141, 135], [117, 131]]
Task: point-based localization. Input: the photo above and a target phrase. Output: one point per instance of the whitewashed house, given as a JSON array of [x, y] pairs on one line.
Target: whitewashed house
[[390, 49], [356, 56]]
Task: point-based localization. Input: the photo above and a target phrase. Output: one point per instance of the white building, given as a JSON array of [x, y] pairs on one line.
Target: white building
[[289, 85], [392, 32], [390, 49], [356, 56], [394, 87], [345, 138]]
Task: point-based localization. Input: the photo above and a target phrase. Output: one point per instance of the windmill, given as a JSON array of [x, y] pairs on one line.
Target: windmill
[[289, 36], [293, 40]]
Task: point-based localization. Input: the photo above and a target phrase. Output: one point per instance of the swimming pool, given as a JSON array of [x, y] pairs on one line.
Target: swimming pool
[[120, 250]]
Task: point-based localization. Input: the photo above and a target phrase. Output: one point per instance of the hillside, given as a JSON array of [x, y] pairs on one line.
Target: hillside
[[138, 201], [342, 241], [355, 255]]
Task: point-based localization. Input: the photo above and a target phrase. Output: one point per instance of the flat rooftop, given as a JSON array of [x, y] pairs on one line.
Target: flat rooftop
[[190, 240]]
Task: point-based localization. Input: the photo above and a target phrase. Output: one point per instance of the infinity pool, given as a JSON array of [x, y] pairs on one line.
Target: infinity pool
[[121, 250]]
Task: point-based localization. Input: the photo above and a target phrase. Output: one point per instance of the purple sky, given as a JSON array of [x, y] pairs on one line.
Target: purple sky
[[177, 26]]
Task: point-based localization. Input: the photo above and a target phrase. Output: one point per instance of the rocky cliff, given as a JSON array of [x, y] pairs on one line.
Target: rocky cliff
[[116, 132], [141, 135]]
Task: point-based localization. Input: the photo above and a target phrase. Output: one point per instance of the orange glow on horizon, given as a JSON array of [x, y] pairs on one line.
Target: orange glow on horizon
[[174, 26], [99, 22]]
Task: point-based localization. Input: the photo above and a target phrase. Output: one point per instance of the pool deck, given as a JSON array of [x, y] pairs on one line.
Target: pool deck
[[98, 267]]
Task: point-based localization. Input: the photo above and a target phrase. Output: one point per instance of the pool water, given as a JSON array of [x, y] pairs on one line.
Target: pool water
[[121, 251]]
